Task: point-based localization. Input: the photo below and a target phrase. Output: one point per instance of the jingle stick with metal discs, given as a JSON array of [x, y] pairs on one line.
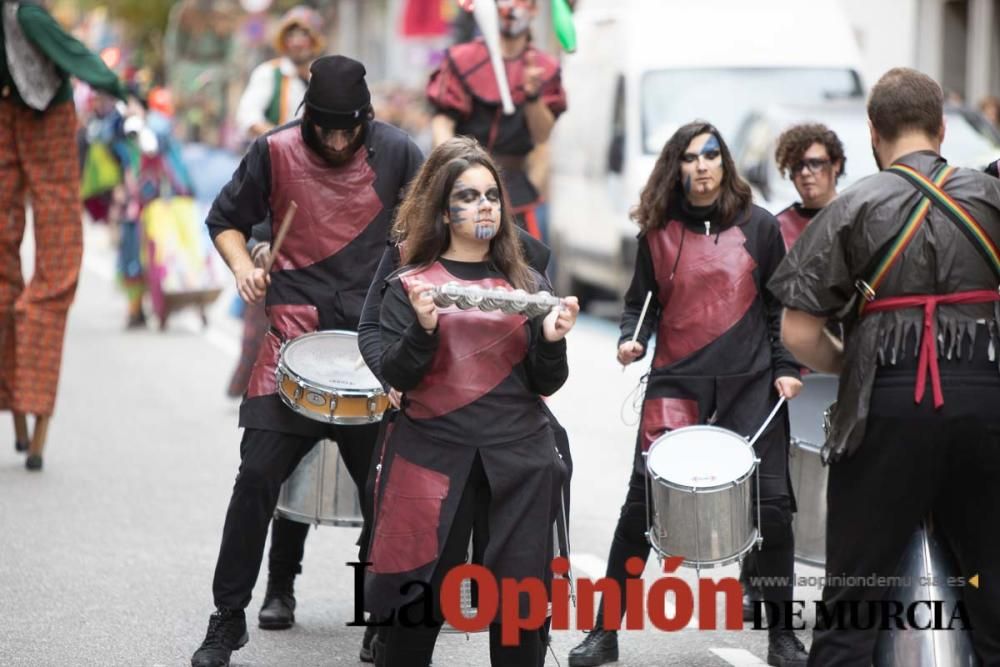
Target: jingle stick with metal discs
[[507, 301]]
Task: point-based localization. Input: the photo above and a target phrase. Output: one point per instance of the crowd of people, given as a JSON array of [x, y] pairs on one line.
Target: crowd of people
[[338, 220]]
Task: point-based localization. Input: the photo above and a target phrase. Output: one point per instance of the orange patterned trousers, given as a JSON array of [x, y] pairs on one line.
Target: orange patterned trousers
[[38, 159]]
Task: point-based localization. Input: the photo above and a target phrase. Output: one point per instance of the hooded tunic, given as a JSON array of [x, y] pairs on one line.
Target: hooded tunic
[[322, 271], [718, 348], [472, 388]]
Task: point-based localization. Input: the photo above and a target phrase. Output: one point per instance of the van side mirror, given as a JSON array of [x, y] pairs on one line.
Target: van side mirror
[[616, 154]]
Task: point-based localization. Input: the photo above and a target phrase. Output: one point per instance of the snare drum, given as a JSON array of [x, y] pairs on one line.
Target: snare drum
[[700, 499], [806, 467], [320, 490], [322, 376]]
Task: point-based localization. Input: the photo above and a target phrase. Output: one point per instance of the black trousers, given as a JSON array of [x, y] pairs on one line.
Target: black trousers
[[916, 462], [267, 458], [775, 560], [414, 646]]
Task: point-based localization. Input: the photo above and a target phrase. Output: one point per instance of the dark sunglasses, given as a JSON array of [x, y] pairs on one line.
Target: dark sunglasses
[[813, 164]]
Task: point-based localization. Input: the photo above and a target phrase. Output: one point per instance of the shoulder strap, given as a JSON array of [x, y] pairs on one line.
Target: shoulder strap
[[889, 254], [956, 213]]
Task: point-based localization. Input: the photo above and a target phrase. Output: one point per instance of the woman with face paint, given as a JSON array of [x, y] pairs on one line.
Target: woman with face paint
[[466, 100], [472, 438], [706, 252]]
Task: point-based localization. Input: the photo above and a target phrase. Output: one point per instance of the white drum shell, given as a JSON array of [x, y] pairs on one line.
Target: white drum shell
[[706, 524], [808, 474], [320, 490]]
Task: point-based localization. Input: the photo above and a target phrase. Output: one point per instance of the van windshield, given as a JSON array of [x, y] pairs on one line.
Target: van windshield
[[671, 98]]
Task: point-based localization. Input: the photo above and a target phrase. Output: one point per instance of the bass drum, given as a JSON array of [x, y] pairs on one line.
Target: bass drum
[[806, 467], [320, 490]]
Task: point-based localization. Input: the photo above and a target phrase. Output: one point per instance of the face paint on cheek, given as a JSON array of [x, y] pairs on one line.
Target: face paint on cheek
[[687, 184], [485, 231], [455, 214]]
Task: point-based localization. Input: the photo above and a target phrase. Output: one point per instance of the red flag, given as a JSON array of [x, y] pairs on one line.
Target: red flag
[[424, 18]]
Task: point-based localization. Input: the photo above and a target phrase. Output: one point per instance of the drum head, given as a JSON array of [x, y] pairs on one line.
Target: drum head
[[330, 360], [700, 457]]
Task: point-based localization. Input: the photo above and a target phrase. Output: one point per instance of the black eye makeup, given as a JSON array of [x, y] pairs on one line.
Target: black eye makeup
[[469, 195]]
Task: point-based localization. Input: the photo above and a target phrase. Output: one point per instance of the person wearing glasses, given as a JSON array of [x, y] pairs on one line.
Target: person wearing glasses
[[813, 157], [907, 259]]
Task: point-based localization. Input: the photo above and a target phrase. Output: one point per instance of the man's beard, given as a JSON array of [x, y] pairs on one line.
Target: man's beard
[[331, 157]]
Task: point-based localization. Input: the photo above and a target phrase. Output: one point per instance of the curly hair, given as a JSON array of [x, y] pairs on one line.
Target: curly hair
[[796, 140], [664, 182], [420, 228]]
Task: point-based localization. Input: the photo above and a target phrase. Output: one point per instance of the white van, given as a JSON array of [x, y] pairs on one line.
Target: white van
[[646, 67]]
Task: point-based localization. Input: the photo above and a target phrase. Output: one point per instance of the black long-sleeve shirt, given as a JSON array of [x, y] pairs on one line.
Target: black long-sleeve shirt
[[536, 253], [511, 408]]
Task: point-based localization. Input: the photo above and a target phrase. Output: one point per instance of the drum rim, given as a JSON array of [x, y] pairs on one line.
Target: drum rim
[[807, 446], [702, 489], [720, 562], [312, 384]]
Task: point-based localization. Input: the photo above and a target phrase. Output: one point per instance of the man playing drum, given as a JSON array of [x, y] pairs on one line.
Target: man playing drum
[[346, 173], [913, 274], [705, 254]]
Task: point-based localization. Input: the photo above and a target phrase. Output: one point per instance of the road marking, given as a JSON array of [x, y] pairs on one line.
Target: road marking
[[737, 656]]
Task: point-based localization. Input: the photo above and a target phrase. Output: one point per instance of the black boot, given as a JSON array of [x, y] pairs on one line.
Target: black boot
[[785, 650], [278, 610], [367, 655], [227, 632], [600, 647]]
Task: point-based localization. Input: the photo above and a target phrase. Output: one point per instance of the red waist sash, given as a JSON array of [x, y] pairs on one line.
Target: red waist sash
[[927, 362]]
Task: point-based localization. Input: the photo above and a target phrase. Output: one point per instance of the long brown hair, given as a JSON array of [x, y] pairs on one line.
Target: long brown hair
[[420, 227], [664, 184]]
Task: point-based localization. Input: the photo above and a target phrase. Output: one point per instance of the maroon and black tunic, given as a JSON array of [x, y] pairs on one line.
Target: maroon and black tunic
[[793, 220], [465, 88], [472, 388], [322, 272], [718, 348]]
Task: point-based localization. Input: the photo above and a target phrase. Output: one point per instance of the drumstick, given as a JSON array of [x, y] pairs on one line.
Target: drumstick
[[642, 316], [282, 232], [777, 406]]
